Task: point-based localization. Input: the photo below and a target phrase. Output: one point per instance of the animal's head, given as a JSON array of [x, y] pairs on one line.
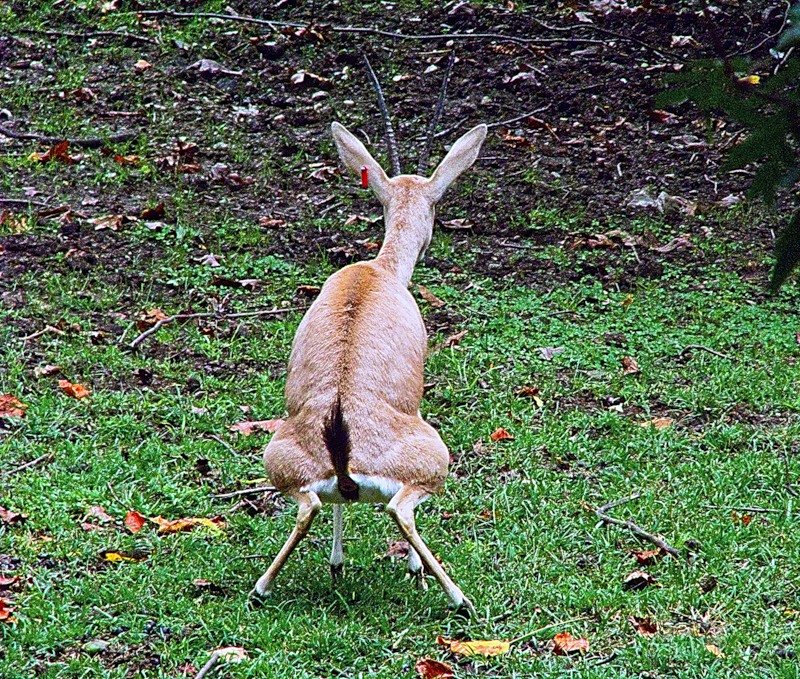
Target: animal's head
[[409, 193]]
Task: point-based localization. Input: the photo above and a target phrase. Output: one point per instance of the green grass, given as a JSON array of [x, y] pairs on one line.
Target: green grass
[[515, 525]]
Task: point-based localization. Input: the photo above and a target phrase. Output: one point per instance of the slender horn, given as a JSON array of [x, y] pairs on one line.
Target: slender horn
[[391, 140], [424, 157]]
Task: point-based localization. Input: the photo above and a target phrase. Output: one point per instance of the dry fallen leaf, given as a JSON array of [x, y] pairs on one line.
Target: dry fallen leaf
[[141, 66], [99, 513], [398, 548], [147, 319], [180, 525], [564, 644], [11, 406], [483, 647], [134, 521], [234, 654], [501, 434], [715, 650], [247, 427], [428, 668], [271, 222], [454, 339], [46, 370], [6, 582], [457, 224], [646, 557], [629, 366], [119, 159], [6, 610], [531, 393], [547, 353], [156, 212], [57, 152], [77, 391], [7, 517], [637, 580], [429, 297], [658, 422], [118, 557], [643, 626]]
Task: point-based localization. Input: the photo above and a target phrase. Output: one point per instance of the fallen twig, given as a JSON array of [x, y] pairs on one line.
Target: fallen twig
[[39, 333], [27, 465], [208, 314], [368, 29], [224, 444], [205, 669], [23, 201], [245, 491], [747, 510], [547, 627], [632, 527], [88, 143], [91, 34], [700, 347], [391, 140], [422, 165], [529, 114]]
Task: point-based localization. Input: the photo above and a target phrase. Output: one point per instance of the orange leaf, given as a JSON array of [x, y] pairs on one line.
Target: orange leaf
[[11, 406], [119, 159], [134, 521], [501, 434], [646, 556], [6, 611], [248, 427], [179, 525], [147, 319], [74, 390], [564, 644], [428, 668], [429, 297], [57, 152], [658, 422], [484, 647]]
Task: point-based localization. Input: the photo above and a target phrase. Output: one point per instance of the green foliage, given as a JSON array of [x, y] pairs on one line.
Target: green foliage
[[769, 109]]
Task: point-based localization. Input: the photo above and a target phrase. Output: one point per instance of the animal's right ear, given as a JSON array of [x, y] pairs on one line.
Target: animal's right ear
[[355, 156]]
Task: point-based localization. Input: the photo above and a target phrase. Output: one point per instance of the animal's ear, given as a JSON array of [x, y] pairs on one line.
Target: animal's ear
[[355, 156], [459, 158]]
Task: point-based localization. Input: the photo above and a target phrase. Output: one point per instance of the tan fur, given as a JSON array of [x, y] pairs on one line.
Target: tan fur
[[363, 342]]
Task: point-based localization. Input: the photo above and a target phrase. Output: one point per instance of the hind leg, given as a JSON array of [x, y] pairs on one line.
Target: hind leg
[[309, 505], [337, 552], [401, 509]]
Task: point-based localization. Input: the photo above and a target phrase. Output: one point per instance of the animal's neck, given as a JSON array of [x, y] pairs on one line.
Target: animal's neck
[[402, 246]]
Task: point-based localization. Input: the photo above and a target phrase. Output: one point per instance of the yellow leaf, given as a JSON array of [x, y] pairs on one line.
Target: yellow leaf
[[658, 422], [715, 650], [117, 557], [486, 647], [750, 80]]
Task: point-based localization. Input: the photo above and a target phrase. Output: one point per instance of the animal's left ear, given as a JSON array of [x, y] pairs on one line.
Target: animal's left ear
[[458, 159]]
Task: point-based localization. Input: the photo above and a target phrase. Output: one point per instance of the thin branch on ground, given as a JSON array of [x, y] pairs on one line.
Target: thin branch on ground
[[91, 34], [368, 29], [87, 143], [205, 669], [391, 140], [601, 513], [424, 157], [775, 34], [701, 347], [225, 444], [27, 465], [23, 201], [245, 491], [209, 314], [524, 116], [44, 330], [547, 627], [747, 510]]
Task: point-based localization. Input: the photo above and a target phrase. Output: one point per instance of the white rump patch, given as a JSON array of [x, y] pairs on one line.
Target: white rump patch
[[370, 489]]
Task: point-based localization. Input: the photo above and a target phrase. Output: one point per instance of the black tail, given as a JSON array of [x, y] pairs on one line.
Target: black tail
[[336, 435]]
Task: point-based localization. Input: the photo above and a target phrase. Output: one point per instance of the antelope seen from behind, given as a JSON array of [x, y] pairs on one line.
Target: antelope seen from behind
[[355, 376]]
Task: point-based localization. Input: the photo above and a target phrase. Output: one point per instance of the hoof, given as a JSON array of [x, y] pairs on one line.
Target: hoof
[[465, 609], [336, 570], [256, 599], [418, 577]]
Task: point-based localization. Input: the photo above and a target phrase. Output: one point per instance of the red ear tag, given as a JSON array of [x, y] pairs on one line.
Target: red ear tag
[[364, 177]]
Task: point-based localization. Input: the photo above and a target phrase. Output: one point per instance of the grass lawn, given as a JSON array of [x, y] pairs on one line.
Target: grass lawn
[[515, 525]]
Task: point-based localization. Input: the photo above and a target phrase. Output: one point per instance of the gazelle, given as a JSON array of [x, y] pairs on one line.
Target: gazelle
[[355, 376]]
